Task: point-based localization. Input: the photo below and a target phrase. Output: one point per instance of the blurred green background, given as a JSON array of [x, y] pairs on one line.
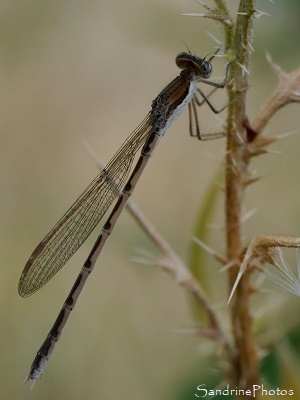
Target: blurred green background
[[73, 71]]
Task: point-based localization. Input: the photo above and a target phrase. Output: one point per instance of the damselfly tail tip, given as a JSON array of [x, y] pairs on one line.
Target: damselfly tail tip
[[31, 381]]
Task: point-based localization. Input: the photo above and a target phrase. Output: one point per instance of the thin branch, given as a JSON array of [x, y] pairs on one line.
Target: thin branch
[[286, 92]]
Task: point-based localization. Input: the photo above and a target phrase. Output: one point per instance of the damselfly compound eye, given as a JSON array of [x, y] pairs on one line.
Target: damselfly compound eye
[[206, 69]]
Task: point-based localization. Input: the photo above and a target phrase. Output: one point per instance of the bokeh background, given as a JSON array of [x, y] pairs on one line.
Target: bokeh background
[[74, 71]]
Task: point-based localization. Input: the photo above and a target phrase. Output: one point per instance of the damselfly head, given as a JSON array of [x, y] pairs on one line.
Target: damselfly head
[[199, 66]]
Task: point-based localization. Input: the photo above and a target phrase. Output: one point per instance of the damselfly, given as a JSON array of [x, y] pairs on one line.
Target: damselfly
[[75, 226]]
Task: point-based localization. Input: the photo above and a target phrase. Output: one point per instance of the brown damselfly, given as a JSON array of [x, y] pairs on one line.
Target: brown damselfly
[[79, 221]]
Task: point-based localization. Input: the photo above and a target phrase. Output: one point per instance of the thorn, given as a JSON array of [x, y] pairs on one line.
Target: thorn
[[228, 22], [204, 246], [217, 41], [269, 151], [251, 47], [248, 214], [244, 69], [238, 278], [249, 181], [287, 134], [261, 13], [145, 261], [295, 93], [209, 250], [234, 164], [228, 266], [240, 138], [144, 257], [195, 15]]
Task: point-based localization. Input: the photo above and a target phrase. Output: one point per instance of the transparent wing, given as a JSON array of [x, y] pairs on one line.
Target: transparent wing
[[75, 226]]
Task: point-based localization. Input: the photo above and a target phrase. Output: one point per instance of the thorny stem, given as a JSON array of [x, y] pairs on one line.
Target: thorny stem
[[244, 371], [245, 141]]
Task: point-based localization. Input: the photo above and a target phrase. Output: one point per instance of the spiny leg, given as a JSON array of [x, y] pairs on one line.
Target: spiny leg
[[194, 116], [190, 120], [214, 55], [201, 102], [205, 100]]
